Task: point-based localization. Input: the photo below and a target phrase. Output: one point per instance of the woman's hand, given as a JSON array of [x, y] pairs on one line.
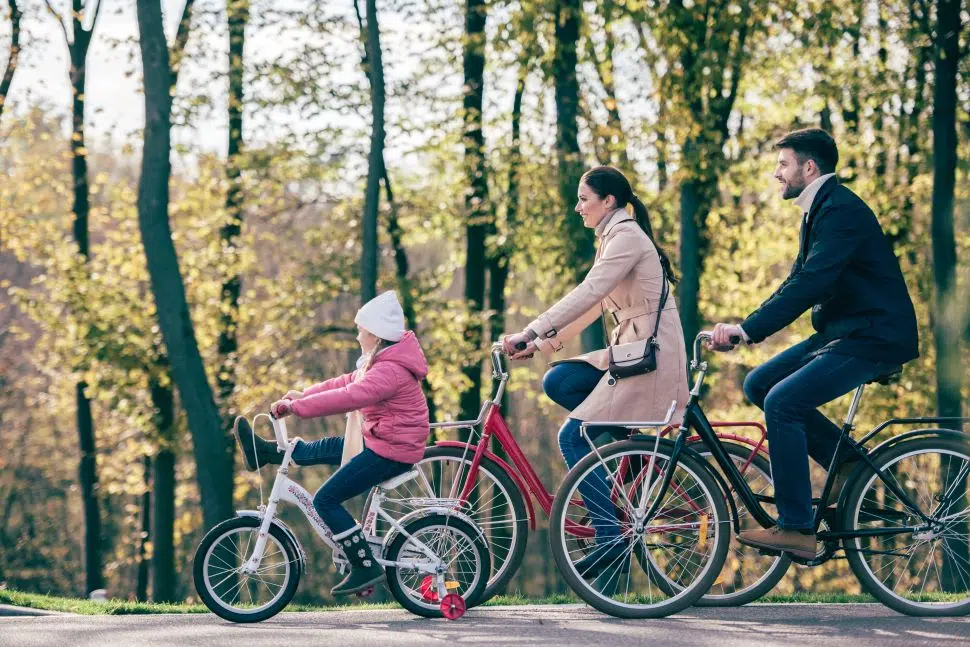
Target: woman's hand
[[293, 394], [519, 345], [280, 408]]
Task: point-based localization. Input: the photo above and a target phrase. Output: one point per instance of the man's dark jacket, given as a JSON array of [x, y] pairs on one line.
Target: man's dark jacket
[[847, 274]]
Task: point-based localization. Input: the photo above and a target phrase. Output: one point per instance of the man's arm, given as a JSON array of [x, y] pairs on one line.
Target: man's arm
[[836, 239]]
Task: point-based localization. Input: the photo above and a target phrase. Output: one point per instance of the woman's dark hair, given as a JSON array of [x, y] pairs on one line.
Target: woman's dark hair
[[606, 180]]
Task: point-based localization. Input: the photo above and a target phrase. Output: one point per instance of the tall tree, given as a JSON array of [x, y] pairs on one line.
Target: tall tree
[[947, 335], [705, 47], [228, 344], [78, 41], [580, 240], [477, 208], [13, 54], [209, 443], [374, 64]]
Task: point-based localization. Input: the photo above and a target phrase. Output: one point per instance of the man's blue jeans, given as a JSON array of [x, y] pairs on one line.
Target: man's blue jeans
[[789, 388], [364, 471], [567, 385]]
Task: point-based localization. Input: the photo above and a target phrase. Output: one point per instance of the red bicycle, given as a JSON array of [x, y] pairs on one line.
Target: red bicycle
[[498, 494]]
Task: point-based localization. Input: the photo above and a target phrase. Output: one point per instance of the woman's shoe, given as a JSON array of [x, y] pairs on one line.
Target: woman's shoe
[[603, 556], [256, 451], [364, 569]]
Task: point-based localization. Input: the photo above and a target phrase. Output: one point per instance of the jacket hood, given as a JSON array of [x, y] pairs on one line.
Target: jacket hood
[[408, 354]]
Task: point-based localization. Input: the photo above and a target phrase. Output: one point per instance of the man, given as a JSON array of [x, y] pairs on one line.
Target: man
[[865, 326]]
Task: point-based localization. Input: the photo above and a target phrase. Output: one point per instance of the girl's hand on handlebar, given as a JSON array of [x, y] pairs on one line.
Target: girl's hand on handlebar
[[726, 337], [293, 394], [280, 408]]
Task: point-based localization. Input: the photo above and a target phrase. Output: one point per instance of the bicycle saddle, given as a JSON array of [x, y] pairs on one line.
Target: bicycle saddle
[[889, 377]]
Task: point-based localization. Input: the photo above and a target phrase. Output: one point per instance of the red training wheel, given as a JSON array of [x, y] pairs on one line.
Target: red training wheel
[[453, 606]]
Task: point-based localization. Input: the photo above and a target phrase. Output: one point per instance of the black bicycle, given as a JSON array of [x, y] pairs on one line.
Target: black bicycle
[[901, 520]]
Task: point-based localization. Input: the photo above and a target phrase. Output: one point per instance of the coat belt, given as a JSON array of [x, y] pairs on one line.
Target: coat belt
[[624, 314]]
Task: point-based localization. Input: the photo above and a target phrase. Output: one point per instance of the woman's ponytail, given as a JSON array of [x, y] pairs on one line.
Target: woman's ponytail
[[643, 219]]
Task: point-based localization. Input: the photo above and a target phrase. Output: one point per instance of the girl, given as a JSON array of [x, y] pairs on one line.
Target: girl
[[386, 389], [630, 279]]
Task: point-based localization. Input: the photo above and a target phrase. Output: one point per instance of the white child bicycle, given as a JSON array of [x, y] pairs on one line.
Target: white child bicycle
[[436, 559]]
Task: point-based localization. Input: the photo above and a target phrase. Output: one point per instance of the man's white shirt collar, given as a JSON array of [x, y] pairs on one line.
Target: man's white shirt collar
[[807, 196]]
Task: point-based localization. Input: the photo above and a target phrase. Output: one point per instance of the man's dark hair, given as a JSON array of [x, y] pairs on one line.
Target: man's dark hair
[[812, 144]]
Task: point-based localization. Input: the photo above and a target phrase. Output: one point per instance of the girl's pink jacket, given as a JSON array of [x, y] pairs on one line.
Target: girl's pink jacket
[[394, 409]]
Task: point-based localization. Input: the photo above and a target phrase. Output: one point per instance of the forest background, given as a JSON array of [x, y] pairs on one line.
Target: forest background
[[195, 197]]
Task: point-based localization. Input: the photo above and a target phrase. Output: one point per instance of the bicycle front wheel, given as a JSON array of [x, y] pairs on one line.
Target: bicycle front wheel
[[913, 566], [684, 542], [228, 591]]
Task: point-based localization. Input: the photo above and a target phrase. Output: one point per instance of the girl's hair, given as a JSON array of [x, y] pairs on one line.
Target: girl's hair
[[381, 345], [606, 180]]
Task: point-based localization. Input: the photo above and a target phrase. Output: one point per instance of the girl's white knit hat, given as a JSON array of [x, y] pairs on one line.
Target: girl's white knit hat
[[382, 316]]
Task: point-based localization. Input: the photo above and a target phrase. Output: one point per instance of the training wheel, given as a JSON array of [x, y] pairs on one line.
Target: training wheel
[[366, 593], [453, 606]]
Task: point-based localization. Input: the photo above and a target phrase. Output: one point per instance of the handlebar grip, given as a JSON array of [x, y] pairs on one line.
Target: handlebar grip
[[735, 339], [521, 345]]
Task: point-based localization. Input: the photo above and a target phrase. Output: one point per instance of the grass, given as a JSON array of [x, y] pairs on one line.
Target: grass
[[125, 607]]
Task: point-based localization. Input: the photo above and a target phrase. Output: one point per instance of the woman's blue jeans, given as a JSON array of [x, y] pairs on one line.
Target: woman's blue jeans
[[364, 471], [567, 385]]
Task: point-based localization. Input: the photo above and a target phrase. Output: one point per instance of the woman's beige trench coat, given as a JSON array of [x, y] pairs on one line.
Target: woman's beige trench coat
[[626, 278]]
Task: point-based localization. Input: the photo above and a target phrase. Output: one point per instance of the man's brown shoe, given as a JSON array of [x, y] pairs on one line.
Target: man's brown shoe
[[785, 541], [841, 478]]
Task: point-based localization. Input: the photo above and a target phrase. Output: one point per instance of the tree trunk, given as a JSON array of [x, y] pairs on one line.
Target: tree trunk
[[210, 448], [947, 336], [402, 268], [228, 344], [477, 209], [375, 72], [141, 583], [580, 240], [163, 555], [88, 470], [13, 53]]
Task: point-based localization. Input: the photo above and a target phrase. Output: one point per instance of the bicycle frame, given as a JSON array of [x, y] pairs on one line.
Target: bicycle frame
[[287, 490], [696, 420], [493, 425]]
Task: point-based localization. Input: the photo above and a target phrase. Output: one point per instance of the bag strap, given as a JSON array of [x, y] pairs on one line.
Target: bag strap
[[663, 303]]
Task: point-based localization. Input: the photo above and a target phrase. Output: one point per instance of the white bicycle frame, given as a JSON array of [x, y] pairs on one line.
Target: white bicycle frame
[[288, 490]]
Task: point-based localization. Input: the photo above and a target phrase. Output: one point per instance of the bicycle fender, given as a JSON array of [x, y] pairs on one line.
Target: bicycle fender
[[427, 512], [919, 433], [301, 556], [519, 483]]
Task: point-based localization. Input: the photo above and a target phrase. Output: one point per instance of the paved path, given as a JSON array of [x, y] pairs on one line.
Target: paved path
[[790, 625]]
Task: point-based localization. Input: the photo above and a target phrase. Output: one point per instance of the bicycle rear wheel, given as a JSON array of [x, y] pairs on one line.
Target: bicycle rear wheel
[[685, 541], [496, 505], [460, 547], [924, 570], [748, 574]]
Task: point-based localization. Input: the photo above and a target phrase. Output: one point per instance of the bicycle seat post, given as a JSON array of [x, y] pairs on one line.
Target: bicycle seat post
[[856, 399]]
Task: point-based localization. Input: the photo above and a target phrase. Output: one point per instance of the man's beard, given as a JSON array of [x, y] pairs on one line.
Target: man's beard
[[793, 190]]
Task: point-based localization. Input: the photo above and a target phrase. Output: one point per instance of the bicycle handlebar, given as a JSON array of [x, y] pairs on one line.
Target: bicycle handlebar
[[279, 429], [706, 336]]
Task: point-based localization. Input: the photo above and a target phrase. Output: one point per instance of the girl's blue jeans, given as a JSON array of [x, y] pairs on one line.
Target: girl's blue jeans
[[363, 472], [567, 385]]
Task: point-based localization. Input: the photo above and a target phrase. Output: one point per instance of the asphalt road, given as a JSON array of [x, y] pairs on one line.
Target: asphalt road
[[562, 626]]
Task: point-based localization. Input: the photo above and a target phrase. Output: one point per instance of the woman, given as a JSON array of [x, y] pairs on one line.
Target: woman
[[626, 280]]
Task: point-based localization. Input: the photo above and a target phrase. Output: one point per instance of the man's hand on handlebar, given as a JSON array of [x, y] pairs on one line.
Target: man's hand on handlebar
[[280, 409], [726, 337]]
